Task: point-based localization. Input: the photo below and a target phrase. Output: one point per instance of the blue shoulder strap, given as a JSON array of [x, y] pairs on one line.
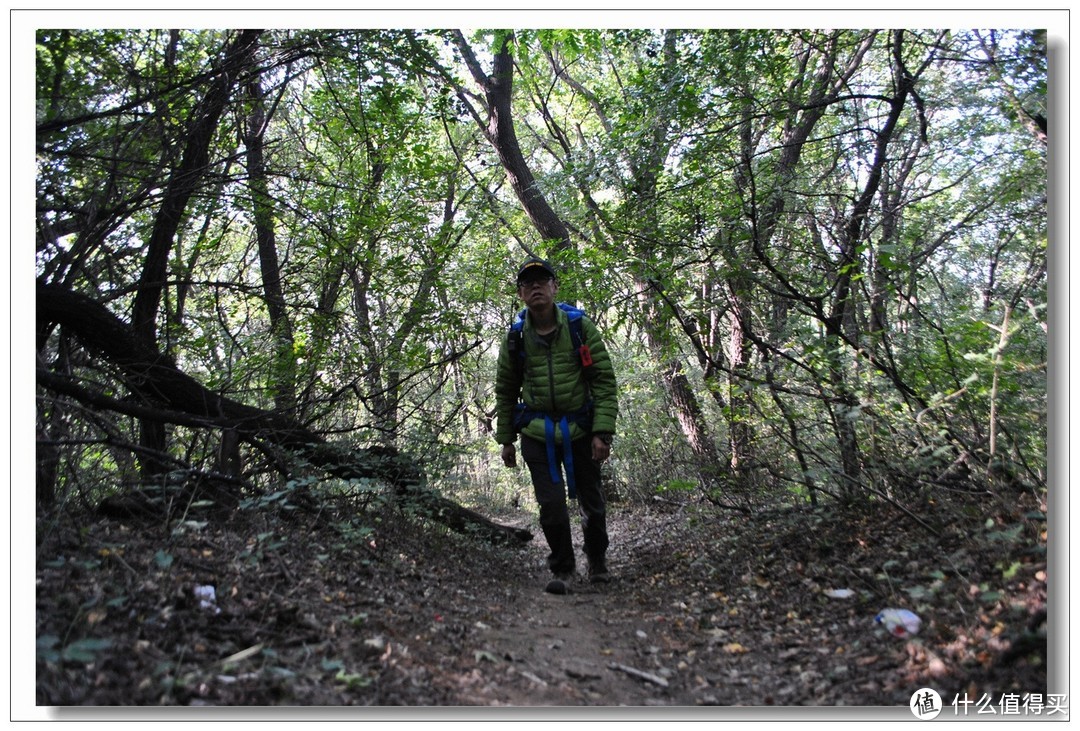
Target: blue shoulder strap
[[519, 321], [577, 334], [573, 314]]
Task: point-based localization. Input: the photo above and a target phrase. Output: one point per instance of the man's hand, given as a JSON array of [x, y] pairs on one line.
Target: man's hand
[[600, 449], [509, 455]]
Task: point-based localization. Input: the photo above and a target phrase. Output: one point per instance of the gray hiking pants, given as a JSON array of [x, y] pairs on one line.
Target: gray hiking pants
[[551, 497]]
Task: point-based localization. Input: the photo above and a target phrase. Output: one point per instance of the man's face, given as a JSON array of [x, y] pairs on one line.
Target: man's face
[[538, 291]]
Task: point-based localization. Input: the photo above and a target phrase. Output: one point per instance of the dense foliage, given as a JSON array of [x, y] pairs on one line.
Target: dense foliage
[[820, 257]]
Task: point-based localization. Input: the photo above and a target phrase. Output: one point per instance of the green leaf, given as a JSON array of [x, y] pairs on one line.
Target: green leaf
[[46, 648], [1009, 535], [85, 650], [353, 680], [676, 485], [918, 592], [163, 560]]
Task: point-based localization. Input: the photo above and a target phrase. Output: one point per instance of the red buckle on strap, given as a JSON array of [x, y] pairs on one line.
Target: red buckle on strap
[[586, 356]]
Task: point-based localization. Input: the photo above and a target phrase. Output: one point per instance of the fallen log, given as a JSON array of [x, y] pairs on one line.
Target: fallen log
[[175, 397]]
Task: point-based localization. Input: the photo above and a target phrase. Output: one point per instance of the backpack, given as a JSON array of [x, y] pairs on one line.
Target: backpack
[[577, 338]]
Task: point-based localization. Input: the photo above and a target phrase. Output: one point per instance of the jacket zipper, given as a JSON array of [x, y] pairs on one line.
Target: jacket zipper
[[551, 373]]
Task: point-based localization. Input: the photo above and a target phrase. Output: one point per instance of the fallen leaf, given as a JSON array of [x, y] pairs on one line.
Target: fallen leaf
[[839, 593]]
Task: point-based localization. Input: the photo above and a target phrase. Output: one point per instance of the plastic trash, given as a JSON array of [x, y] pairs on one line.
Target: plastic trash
[[207, 598], [899, 622], [839, 593]]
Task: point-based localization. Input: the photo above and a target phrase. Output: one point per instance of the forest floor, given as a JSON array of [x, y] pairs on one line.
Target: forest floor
[[708, 607]]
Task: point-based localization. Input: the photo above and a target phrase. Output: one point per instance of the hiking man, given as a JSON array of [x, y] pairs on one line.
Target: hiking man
[[556, 387]]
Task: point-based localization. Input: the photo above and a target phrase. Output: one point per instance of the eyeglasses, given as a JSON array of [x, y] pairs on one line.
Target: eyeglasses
[[533, 282]]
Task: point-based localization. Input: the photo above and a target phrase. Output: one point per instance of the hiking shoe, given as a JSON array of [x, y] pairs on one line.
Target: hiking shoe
[[598, 573], [559, 585]]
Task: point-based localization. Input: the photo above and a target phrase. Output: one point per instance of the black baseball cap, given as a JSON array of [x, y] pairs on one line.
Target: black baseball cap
[[534, 266]]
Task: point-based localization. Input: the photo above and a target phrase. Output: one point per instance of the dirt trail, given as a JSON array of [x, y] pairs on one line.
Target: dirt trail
[[736, 612], [705, 609], [583, 648]]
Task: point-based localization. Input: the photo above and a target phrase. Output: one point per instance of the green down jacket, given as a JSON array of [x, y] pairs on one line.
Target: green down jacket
[[555, 383]]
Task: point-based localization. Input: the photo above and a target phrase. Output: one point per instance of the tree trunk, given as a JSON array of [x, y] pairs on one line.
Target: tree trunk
[[685, 402], [824, 84], [645, 165], [283, 370], [849, 266], [178, 191], [498, 91], [740, 431], [175, 397], [50, 422]]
